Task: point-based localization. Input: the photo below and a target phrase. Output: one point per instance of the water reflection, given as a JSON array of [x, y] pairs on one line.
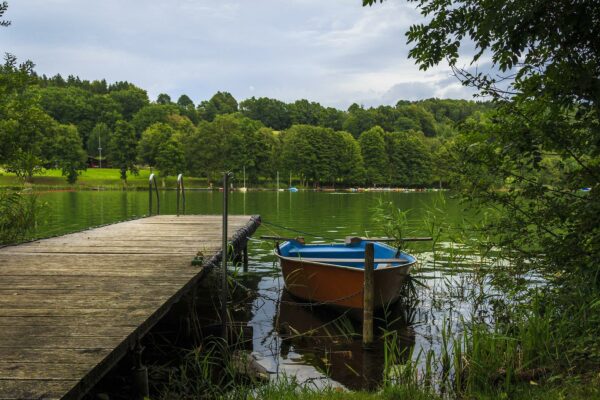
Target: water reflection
[[331, 342]]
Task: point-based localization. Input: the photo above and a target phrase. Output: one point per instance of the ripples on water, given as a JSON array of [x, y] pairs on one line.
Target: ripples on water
[[312, 341]]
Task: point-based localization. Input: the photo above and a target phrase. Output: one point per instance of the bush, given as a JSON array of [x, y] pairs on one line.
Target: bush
[[17, 216]]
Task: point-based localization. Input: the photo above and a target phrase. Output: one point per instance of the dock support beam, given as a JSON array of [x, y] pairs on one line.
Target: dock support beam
[[245, 257], [224, 287], [140, 373], [368, 295]]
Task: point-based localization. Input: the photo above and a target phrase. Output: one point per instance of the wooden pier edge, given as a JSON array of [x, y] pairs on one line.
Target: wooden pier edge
[[238, 241]]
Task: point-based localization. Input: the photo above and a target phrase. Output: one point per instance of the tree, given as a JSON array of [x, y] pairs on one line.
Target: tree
[[547, 94], [332, 118], [184, 101], [3, 8], [350, 165], [130, 98], [305, 112], [170, 158], [73, 105], [152, 141], [68, 153], [122, 147], [374, 154], [410, 159], [164, 99], [26, 131], [272, 113], [99, 137], [298, 151], [321, 155], [187, 108], [220, 103], [358, 120], [423, 120], [152, 114]]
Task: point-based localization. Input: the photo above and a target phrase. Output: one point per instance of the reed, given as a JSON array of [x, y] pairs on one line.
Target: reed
[[18, 216]]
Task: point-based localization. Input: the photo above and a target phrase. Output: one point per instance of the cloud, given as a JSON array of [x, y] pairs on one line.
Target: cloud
[[335, 52]]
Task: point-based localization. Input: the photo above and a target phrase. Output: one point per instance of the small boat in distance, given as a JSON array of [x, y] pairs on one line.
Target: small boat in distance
[[333, 274]]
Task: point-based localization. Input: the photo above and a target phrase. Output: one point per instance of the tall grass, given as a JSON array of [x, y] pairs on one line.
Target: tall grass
[[17, 216]]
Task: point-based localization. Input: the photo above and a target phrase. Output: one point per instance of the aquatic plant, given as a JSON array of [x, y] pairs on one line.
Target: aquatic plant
[[17, 216]]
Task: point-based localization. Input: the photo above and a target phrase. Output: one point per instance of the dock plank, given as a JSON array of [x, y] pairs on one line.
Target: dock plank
[[71, 306]]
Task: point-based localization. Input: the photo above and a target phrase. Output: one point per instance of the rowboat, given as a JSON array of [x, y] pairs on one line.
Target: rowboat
[[333, 274]]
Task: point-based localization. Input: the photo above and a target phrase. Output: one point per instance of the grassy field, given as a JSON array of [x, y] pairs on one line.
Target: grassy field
[[93, 178]]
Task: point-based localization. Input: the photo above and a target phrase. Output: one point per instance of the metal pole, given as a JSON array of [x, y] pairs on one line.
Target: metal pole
[[182, 195], [150, 194], [99, 151], [224, 288], [368, 295], [180, 186]]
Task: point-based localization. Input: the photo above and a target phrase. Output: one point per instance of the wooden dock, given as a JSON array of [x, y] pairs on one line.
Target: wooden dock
[[72, 306]]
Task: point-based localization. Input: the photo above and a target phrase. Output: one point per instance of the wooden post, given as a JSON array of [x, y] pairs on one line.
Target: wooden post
[[245, 258], [368, 295], [140, 373], [224, 288]]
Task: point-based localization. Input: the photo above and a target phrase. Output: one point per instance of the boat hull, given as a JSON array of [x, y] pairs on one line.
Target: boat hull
[[339, 285]]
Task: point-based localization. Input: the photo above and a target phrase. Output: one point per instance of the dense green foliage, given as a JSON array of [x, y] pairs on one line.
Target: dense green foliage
[[122, 146], [536, 158], [213, 137], [318, 145], [29, 137]]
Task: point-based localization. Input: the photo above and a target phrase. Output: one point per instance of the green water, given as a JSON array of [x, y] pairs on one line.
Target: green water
[[331, 215], [335, 350]]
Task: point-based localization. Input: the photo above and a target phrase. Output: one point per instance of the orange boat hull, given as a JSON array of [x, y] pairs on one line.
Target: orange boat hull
[[338, 285]]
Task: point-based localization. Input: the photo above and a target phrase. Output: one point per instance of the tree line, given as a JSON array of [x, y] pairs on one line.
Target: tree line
[[63, 123]]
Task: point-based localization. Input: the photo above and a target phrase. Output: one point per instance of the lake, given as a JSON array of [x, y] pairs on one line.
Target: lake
[[289, 336]]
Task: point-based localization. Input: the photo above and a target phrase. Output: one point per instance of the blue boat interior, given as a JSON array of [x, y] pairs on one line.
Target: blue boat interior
[[339, 251]]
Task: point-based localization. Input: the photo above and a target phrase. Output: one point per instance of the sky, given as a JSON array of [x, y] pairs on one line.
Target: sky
[[335, 52]]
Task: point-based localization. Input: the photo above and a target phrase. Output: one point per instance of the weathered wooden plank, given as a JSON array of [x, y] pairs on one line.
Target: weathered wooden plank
[[61, 342], [45, 371], [35, 389], [41, 355], [81, 320], [85, 302], [10, 283], [130, 311], [72, 329]]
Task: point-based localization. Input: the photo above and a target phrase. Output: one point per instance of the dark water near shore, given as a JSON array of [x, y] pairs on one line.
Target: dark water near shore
[[287, 337]]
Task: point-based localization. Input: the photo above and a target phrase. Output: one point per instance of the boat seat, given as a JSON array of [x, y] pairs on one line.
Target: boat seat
[[327, 253]]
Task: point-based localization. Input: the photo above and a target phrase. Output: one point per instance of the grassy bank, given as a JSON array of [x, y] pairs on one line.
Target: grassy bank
[[109, 178], [94, 178]]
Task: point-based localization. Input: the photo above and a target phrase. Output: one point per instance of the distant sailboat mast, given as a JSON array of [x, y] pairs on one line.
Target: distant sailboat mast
[[243, 189]]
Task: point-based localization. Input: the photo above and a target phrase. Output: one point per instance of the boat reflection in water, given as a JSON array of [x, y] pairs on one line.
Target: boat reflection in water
[[330, 340]]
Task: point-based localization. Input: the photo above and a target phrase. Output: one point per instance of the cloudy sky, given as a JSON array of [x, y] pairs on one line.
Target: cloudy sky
[[332, 51]]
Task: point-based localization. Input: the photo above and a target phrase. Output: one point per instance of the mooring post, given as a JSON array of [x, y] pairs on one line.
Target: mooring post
[[150, 180], [140, 373], [150, 194], [224, 288], [245, 257], [368, 295], [178, 185]]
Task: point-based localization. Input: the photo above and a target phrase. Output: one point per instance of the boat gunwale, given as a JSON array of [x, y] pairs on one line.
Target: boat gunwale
[[307, 260]]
